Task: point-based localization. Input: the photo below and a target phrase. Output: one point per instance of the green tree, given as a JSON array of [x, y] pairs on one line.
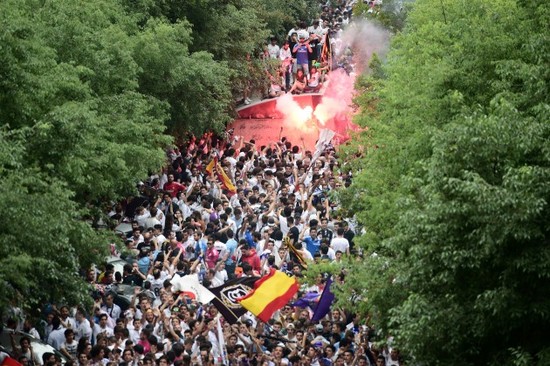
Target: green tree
[[77, 132], [196, 87], [89, 126], [43, 240], [455, 186], [391, 13]]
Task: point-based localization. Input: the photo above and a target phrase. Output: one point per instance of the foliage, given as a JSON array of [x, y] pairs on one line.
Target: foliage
[[43, 241], [230, 31], [89, 126], [171, 74], [391, 13], [281, 15], [77, 133], [454, 185]]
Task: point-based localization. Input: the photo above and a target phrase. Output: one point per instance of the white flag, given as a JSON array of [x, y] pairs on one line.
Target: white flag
[[191, 285], [325, 136]]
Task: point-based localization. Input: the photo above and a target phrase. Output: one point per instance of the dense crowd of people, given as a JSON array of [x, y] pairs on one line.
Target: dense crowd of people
[[223, 208], [300, 63]]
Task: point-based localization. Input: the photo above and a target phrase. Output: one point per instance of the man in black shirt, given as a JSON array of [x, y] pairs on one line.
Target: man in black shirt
[[325, 232], [349, 234], [131, 275], [293, 232]]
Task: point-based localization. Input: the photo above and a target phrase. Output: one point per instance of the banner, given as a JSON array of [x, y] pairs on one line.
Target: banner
[[225, 180], [309, 299], [226, 296], [326, 52], [296, 254], [211, 165]]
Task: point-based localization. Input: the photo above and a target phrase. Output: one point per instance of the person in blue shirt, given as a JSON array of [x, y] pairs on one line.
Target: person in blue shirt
[[302, 49], [231, 244], [200, 243], [144, 261], [313, 243]]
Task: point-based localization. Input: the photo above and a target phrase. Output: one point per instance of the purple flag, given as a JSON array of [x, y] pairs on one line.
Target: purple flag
[[324, 304], [306, 300]]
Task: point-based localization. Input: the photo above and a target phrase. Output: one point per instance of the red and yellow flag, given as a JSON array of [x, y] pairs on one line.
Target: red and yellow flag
[[222, 176], [211, 165], [270, 293], [226, 181]]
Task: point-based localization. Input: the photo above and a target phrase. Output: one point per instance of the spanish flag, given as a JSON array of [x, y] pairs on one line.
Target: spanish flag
[[222, 176], [226, 181], [270, 293], [211, 165]]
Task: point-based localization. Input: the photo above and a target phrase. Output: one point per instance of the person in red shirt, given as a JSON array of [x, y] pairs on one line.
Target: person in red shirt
[[212, 255], [250, 256], [172, 186]]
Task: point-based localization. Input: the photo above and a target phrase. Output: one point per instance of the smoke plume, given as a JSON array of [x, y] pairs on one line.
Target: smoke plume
[[353, 51]]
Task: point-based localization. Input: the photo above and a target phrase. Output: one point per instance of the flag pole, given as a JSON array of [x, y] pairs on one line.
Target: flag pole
[[221, 342]]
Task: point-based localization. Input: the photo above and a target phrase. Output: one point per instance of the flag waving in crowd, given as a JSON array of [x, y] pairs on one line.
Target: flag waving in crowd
[[270, 293], [227, 294], [211, 246], [191, 286], [324, 304], [215, 166]]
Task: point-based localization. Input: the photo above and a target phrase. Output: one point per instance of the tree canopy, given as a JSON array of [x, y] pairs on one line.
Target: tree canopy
[[454, 185]]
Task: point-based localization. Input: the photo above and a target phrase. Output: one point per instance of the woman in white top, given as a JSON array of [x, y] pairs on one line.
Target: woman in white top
[[314, 78]]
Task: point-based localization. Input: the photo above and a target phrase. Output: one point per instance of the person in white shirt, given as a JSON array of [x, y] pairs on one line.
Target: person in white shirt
[[295, 29], [314, 79], [158, 236], [30, 329], [134, 330], [227, 221], [285, 55], [316, 28], [49, 326], [110, 308], [185, 209], [273, 48], [156, 278], [142, 215], [69, 347], [24, 350], [152, 220], [221, 274], [345, 19], [83, 328], [340, 243], [66, 320], [306, 254], [102, 328], [57, 336]]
